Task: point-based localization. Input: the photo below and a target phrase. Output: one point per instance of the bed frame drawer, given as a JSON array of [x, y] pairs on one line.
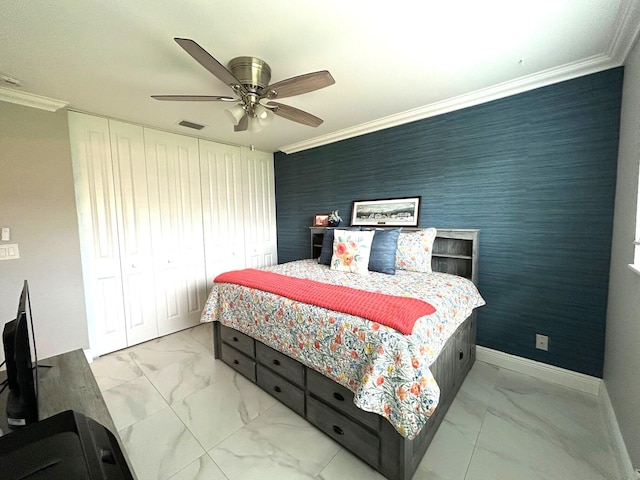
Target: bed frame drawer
[[238, 361], [464, 353], [280, 363], [290, 395], [238, 340], [344, 431], [340, 398], [330, 408]]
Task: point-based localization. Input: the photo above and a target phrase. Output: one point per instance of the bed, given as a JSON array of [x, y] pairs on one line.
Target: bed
[[379, 392]]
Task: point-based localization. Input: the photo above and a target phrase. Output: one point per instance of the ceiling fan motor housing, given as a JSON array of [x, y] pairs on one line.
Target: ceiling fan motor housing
[[252, 72]]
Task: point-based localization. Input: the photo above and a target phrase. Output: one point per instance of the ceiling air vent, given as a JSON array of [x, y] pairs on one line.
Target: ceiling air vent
[[195, 126]]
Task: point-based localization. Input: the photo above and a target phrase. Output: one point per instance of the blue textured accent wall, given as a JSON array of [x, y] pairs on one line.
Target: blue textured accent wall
[[535, 172]]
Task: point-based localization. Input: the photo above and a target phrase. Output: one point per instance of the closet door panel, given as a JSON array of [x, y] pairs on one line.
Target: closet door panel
[[134, 229], [177, 235], [191, 233], [97, 220], [222, 204], [259, 209]]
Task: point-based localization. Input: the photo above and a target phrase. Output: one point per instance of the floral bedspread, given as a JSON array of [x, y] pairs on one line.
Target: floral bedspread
[[387, 371]]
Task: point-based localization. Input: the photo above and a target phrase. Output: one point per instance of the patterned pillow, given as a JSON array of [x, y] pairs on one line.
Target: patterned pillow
[[326, 252], [351, 251], [414, 250]]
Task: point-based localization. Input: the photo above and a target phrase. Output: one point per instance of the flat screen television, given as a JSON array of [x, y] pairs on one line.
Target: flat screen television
[[22, 365]]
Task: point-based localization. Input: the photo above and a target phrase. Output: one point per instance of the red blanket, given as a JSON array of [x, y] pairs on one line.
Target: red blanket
[[399, 313]]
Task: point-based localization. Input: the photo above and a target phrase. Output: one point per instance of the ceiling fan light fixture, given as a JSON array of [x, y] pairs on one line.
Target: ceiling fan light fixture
[[254, 125], [235, 113], [264, 115]]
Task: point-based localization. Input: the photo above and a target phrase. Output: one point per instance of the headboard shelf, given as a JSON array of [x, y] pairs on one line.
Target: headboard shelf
[[455, 250], [451, 255]]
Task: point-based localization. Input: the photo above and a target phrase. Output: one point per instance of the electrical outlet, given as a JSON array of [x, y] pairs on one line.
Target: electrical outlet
[[542, 342]]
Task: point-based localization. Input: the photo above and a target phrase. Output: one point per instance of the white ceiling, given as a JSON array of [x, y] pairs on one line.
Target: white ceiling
[[393, 61]]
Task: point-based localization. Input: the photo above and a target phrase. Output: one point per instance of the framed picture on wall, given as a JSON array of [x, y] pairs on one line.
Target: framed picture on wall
[[320, 219], [391, 212]]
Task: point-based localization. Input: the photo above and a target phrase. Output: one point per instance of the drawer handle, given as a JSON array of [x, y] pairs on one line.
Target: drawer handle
[[461, 354], [276, 362], [277, 389], [338, 430], [236, 362], [235, 339], [338, 397]]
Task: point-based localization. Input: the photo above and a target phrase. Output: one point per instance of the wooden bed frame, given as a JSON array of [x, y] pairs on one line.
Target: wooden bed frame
[[329, 406]]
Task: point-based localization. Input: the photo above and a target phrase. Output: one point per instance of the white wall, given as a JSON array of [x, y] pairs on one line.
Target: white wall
[[622, 347], [37, 202]]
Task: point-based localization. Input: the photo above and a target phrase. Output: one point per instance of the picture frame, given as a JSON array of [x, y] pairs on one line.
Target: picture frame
[[390, 212], [321, 220]]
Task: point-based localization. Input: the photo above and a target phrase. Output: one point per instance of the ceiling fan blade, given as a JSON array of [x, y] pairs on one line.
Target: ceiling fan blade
[[242, 125], [299, 85], [295, 114], [194, 98], [203, 57]]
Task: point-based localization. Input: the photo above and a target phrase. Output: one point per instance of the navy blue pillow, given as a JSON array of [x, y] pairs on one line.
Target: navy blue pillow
[[383, 251], [327, 245]]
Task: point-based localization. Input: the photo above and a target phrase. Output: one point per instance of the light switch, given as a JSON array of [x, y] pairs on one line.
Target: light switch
[[9, 252], [6, 234]]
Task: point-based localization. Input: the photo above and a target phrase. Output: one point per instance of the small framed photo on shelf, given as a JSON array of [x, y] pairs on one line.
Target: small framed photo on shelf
[[321, 220], [391, 212]]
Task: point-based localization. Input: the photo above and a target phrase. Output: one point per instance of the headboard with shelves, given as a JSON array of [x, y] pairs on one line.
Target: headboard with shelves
[[455, 250]]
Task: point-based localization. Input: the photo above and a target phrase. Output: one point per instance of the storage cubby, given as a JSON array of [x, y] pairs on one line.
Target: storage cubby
[[317, 235]]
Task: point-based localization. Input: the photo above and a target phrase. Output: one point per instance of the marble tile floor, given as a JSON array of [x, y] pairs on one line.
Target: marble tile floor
[[184, 416]]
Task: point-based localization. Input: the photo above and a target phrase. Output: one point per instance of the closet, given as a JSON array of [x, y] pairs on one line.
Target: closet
[[160, 215], [239, 216]]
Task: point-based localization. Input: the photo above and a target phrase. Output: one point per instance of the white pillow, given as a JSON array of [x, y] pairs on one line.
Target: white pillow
[[415, 249], [351, 251]]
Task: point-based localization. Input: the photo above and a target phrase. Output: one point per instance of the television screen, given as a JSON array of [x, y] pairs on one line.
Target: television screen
[[22, 372]]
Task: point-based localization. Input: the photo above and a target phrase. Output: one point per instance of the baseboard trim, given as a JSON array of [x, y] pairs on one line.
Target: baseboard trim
[[89, 354], [619, 447], [578, 381], [549, 373]]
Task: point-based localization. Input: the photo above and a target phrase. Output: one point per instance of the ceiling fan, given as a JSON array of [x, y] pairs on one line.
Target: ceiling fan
[[249, 79]]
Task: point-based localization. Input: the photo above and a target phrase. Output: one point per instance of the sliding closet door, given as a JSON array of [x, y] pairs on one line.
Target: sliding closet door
[[259, 208], [134, 231], [177, 236], [222, 208], [97, 220]]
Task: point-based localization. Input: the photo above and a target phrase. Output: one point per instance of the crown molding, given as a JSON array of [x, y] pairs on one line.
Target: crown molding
[[31, 100], [626, 35], [495, 92], [627, 31]]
